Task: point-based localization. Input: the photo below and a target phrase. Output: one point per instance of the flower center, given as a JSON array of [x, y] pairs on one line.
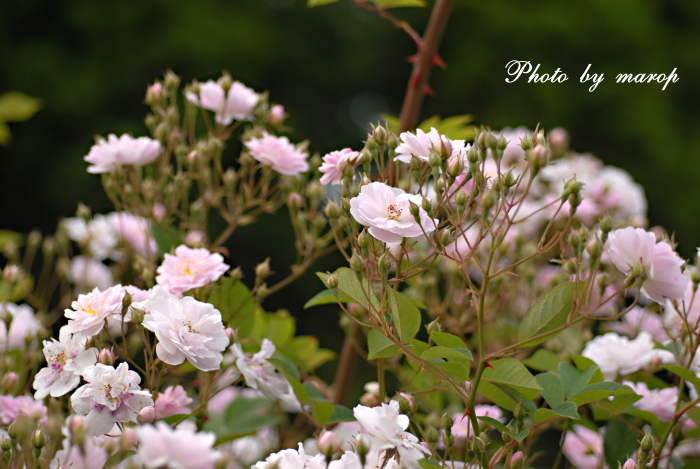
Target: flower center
[[187, 268], [88, 309], [394, 212]]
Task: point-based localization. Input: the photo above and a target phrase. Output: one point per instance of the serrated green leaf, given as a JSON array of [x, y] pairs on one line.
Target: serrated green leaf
[[552, 388], [18, 107], [405, 316], [380, 346], [341, 414], [597, 391], [549, 312], [519, 437], [510, 372], [684, 373], [565, 409], [496, 395], [446, 339], [349, 284], [619, 443], [322, 412], [573, 379], [543, 360], [327, 297], [583, 363]]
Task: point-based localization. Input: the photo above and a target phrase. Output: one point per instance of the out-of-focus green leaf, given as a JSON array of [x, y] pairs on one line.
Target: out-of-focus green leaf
[[643, 414], [510, 372], [455, 127], [242, 417], [583, 363], [386, 4], [18, 107], [341, 414], [426, 463], [9, 236], [619, 443], [380, 346], [167, 239], [597, 391], [406, 317], [306, 348], [118, 457], [543, 360], [315, 3], [685, 374], [236, 304], [322, 412], [5, 134]]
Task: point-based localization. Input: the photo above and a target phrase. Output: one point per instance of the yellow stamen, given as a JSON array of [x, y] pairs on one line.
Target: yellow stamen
[[90, 311]]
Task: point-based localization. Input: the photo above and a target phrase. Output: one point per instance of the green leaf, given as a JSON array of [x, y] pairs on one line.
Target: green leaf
[[118, 457], [644, 415], [455, 127], [520, 436], [386, 4], [322, 412], [349, 284], [694, 464], [583, 363], [573, 379], [565, 409], [496, 395], [284, 366], [236, 304], [5, 134], [18, 107], [446, 339], [341, 414], [597, 391], [510, 372], [315, 3], [621, 402], [694, 414], [9, 236], [552, 388], [543, 360], [243, 416], [380, 346], [459, 354], [426, 463], [327, 297], [548, 313], [176, 418], [406, 317], [457, 369], [167, 238], [619, 443], [684, 373]]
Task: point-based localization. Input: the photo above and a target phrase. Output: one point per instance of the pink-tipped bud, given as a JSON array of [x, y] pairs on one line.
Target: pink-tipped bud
[[194, 238], [516, 459], [76, 423], [154, 93], [559, 140], [629, 464], [231, 334], [147, 415], [295, 200], [328, 443], [106, 357], [455, 167], [276, 114], [129, 438], [8, 382], [159, 211]]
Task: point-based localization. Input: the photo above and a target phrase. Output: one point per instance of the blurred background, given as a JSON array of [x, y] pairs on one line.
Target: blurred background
[[337, 67]]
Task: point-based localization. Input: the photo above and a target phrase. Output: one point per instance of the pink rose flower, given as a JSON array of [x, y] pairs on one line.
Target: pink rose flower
[[108, 154], [639, 319], [189, 268], [11, 407], [90, 311], [660, 402], [334, 164], [172, 401], [87, 273], [24, 326], [421, 144], [135, 231], [238, 104], [462, 428], [279, 154], [177, 448], [385, 210], [661, 266], [583, 448]]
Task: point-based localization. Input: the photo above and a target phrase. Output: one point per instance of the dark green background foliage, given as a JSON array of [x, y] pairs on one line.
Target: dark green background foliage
[[334, 68]]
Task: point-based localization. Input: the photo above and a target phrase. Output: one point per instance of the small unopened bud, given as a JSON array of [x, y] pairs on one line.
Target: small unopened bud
[[345, 205], [393, 142], [384, 263], [488, 200], [331, 210], [434, 159], [647, 443], [490, 140], [461, 198], [520, 411], [231, 334], [39, 439], [447, 422], [559, 141], [314, 190], [362, 447], [365, 157], [502, 143], [570, 267], [12, 430], [8, 382], [195, 238], [505, 436], [407, 404], [363, 239], [414, 209], [5, 444], [606, 224], [477, 445], [445, 147], [473, 155], [427, 205], [638, 270], [445, 237], [365, 180], [603, 281], [431, 435], [594, 248], [516, 460], [538, 157], [136, 316], [629, 464], [328, 444], [106, 357], [434, 326], [575, 240], [76, 424], [455, 167], [332, 282], [128, 439], [695, 276], [146, 415], [572, 186], [380, 135], [276, 114], [433, 420], [356, 262], [262, 270]]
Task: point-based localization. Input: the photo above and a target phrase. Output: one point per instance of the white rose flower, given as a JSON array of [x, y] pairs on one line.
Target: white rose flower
[[259, 373], [66, 360], [615, 354], [91, 310]]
